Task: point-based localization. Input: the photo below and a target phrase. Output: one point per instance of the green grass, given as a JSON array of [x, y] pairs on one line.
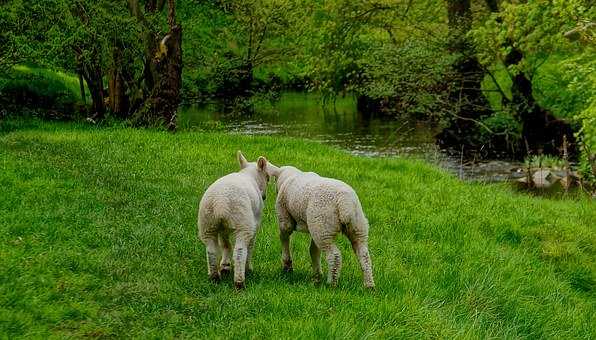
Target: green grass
[[98, 238]]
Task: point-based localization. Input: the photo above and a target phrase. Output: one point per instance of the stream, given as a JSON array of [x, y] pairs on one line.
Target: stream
[[303, 115]]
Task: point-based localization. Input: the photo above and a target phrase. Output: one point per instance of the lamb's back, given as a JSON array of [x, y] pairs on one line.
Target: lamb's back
[[311, 191], [227, 195]]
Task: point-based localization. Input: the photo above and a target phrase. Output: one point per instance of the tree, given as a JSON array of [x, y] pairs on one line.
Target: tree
[[261, 32], [162, 73], [99, 39], [390, 54], [526, 35], [470, 104], [73, 35]]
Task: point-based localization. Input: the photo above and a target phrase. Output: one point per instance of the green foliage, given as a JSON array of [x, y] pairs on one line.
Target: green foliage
[[413, 72], [226, 43], [535, 27], [580, 74], [395, 52], [65, 83], [502, 123], [587, 136], [381, 50], [69, 32], [561, 68], [40, 90], [497, 84], [97, 243]]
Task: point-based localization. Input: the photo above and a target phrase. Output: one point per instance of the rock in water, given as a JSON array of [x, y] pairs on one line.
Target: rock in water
[[541, 179]]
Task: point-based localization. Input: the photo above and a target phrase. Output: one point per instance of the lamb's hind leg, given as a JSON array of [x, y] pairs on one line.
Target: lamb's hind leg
[[361, 250], [333, 256], [323, 234], [240, 255], [250, 249], [212, 249]]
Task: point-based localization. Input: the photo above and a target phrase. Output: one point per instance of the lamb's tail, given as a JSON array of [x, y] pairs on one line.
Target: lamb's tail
[[212, 218], [351, 216]]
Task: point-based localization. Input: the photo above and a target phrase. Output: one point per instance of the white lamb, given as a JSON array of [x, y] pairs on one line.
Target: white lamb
[[233, 205], [323, 207]]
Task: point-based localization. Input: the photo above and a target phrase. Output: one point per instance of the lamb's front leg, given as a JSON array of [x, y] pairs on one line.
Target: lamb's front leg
[[315, 256], [286, 227], [286, 257], [225, 266]]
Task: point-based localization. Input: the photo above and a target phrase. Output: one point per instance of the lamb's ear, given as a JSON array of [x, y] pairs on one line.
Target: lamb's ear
[[241, 160], [262, 163], [272, 170]]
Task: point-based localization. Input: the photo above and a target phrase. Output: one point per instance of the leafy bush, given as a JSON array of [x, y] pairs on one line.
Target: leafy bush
[[413, 74]]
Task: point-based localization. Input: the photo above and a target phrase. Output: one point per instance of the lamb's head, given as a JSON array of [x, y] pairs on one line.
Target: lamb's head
[[281, 174], [255, 170]]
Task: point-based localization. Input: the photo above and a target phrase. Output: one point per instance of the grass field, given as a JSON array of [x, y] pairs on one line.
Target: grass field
[[98, 238]]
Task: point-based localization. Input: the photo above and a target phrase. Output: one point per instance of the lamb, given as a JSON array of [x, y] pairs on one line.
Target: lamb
[[322, 207], [232, 205]]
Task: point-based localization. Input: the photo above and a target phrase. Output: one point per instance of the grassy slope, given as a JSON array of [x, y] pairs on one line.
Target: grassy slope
[[46, 82], [98, 237]]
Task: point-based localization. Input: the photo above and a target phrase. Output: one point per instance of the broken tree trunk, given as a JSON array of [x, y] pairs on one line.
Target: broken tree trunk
[[163, 74], [161, 106]]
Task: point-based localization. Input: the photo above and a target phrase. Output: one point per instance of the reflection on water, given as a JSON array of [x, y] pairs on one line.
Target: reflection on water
[[302, 115]]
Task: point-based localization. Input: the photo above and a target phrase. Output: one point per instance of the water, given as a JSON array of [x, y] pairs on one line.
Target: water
[[303, 115]]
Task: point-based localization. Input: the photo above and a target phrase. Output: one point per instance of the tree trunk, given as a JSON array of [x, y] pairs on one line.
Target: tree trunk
[[542, 132], [466, 94], [246, 79], [82, 87], [119, 101], [164, 98], [94, 79]]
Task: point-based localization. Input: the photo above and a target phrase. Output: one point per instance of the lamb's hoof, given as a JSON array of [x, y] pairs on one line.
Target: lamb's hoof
[[370, 288], [288, 267], [225, 271], [215, 278], [239, 285], [317, 279]]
